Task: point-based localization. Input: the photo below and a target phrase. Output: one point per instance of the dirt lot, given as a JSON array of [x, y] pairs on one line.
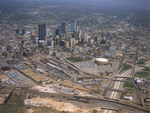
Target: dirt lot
[[3, 98], [16, 105], [73, 85], [59, 106], [35, 76]]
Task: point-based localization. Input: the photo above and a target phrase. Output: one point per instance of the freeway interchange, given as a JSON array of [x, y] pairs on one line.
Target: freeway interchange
[[116, 83]]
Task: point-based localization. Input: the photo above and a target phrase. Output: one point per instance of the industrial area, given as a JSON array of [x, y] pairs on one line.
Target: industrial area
[[58, 83], [53, 63]]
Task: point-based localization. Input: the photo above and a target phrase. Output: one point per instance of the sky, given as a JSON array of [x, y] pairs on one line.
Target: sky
[[138, 4], [144, 4], [141, 4]]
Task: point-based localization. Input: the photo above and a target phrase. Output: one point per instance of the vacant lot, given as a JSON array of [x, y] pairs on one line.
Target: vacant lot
[[129, 85], [125, 67], [143, 74], [33, 75], [78, 59], [14, 105]]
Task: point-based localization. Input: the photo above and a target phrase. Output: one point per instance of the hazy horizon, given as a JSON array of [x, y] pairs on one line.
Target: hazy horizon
[[138, 4]]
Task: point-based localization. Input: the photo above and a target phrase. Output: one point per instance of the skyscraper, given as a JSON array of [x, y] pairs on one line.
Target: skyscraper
[[42, 31], [48, 33], [17, 31], [57, 32], [78, 29], [23, 32], [73, 26], [63, 27]]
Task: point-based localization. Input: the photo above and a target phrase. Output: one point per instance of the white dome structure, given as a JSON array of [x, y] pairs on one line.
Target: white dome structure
[[101, 61]]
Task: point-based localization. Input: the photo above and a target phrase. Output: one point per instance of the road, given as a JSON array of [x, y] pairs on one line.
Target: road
[[118, 85], [121, 61]]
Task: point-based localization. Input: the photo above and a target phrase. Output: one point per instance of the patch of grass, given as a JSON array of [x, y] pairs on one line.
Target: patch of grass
[[147, 69], [125, 67], [43, 110], [104, 92], [129, 84], [64, 112], [143, 74], [130, 89], [78, 59], [122, 96], [141, 62], [128, 79], [95, 111], [14, 105]]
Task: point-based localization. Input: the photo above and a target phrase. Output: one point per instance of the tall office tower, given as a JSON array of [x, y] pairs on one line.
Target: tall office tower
[[71, 42], [63, 27], [48, 33], [95, 39], [57, 41], [23, 32], [42, 31], [59, 27], [48, 42], [17, 31], [73, 26], [62, 43], [78, 29], [34, 39], [80, 35], [57, 32], [66, 44], [52, 44]]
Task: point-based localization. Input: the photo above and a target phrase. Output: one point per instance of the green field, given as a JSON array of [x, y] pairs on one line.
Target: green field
[[143, 74], [129, 84], [95, 111], [104, 92], [147, 69], [141, 62], [78, 59], [122, 95], [16, 105], [125, 67]]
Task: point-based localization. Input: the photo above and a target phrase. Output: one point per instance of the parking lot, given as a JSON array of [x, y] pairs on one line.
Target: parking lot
[[91, 67], [17, 79]]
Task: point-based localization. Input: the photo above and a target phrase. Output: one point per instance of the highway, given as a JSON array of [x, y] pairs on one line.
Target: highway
[[117, 85], [120, 64], [120, 77]]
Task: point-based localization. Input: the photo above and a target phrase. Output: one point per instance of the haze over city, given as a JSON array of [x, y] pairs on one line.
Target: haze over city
[[74, 56], [139, 4]]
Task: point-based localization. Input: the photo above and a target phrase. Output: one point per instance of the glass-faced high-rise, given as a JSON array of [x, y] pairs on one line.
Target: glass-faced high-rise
[[63, 27], [73, 26], [42, 31]]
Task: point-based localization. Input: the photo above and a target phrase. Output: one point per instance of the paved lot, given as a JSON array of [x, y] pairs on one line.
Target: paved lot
[[91, 67]]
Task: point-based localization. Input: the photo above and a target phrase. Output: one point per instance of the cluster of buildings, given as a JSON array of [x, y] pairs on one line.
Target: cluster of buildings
[[66, 39]]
